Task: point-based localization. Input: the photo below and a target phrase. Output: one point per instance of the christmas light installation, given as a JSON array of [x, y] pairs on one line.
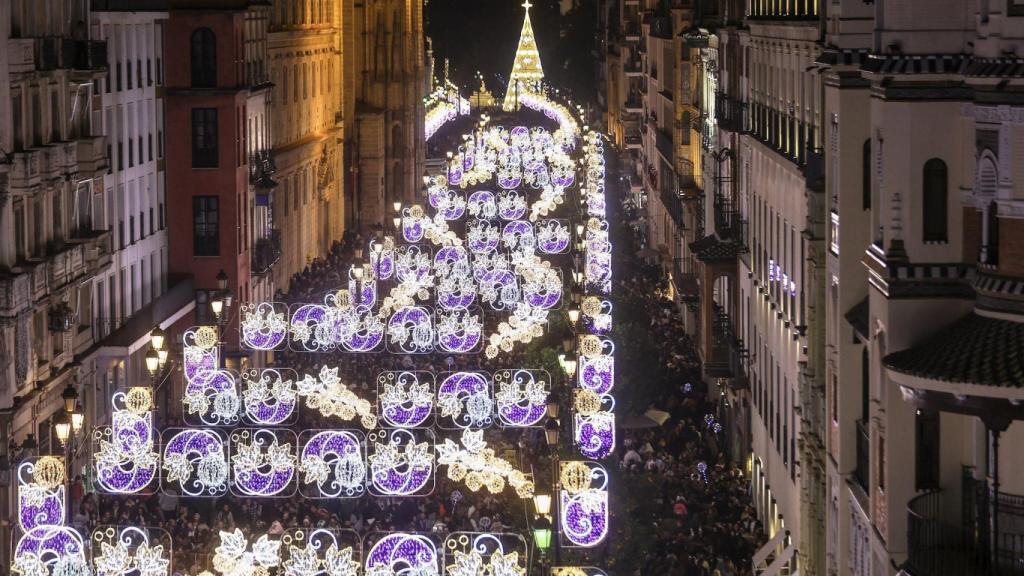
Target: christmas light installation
[[212, 399], [597, 314], [553, 236], [330, 397], [263, 325], [195, 463], [199, 351], [127, 551], [459, 331], [521, 396], [124, 457], [577, 571], [269, 396], [403, 554], [464, 399], [583, 496], [319, 553], [332, 464], [262, 461], [400, 465], [411, 331], [234, 557], [41, 495], [526, 68], [475, 465], [405, 399], [485, 554]]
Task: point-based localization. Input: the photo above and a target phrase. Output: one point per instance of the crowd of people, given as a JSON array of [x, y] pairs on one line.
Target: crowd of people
[[677, 498]]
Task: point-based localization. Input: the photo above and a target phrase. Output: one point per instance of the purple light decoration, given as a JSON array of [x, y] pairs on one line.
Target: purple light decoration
[[259, 483], [485, 241], [410, 331], [369, 334], [519, 234], [402, 553], [130, 434], [269, 411], [595, 435], [196, 361], [509, 182], [482, 204], [503, 283], [412, 229], [519, 410], [51, 543], [216, 385], [257, 328], [702, 469], [538, 297], [512, 206], [386, 268], [307, 318], [203, 449], [450, 204], [49, 512], [455, 174], [472, 390], [597, 374], [709, 419], [584, 518], [342, 451], [553, 235], [455, 335], [451, 263], [405, 478], [410, 267], [411, 413]]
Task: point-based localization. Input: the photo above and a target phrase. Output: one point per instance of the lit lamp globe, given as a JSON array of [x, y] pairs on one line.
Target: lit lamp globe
[[551, 432], [552, 405], [62, 426], [70, 397], [542, 534], [77, 419], [152, 361], [157, 338], [542, 503]]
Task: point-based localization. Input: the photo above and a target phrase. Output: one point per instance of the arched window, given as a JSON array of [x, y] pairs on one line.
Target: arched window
[[865, 174], [204, 58], [935, 200]]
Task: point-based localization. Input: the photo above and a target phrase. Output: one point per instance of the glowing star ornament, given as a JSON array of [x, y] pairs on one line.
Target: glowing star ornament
[[234, 558]]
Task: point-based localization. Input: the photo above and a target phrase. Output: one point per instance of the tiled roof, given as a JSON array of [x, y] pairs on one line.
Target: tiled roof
[[973, 350]]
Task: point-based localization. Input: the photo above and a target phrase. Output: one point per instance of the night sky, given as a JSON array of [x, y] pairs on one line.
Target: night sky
[[481, 35]]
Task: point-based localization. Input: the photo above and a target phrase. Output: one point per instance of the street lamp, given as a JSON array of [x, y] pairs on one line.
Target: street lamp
[[542, 503], [62, 426], [542, 534], [217, 305], [222, 280], [553, 405], [570, 367], [70, 396], [551, 432], [397, 222], [397, 206], [157, 338], [77, 419], [152, 362], [574, 316]]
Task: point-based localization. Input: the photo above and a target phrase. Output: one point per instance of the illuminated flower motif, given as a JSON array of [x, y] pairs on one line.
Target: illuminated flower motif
[[505, 564], [315, 468], [477, 466], [232, 558], [150, 561], [113, 560], [301, 561], [467, 564], [330, 397], [71, 566], [177, 466], [339, 562], [28, 564]]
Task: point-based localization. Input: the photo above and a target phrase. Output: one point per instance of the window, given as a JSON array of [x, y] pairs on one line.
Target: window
[[927, 450], [204, 58], [865, 174], [205, 226], [204, 137], [935, 201]]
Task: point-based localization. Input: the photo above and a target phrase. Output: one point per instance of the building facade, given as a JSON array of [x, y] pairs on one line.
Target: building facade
[[385, 80], [304, 55]]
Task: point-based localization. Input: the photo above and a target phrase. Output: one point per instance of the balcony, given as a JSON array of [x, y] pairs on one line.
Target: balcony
[[862, 473], [631, 31], [265, 253], [90, 55], [26, 168], [731, 114], [92, 155], [663, 141], [938, 545], [785, 11], [59, 159], [633, 105], [673, 206], [725, 359], [632, 68]]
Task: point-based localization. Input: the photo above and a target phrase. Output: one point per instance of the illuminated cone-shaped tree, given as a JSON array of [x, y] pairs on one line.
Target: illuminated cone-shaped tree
[[526, 70]]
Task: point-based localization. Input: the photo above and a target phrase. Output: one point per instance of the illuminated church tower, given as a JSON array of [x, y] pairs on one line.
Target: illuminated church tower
[[526, 69]]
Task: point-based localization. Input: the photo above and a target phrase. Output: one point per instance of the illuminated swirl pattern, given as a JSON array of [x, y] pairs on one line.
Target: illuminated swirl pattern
[[459, 331], [332, 465], [410, 331], [212, 399], [521, 396], [195, 462], [399, 465], [405, 399], [262, 461], [403, 554], [553, 236], [125, 460], [54, 550], [584, 518], [39, 503], [263, 325], [465, 400]]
